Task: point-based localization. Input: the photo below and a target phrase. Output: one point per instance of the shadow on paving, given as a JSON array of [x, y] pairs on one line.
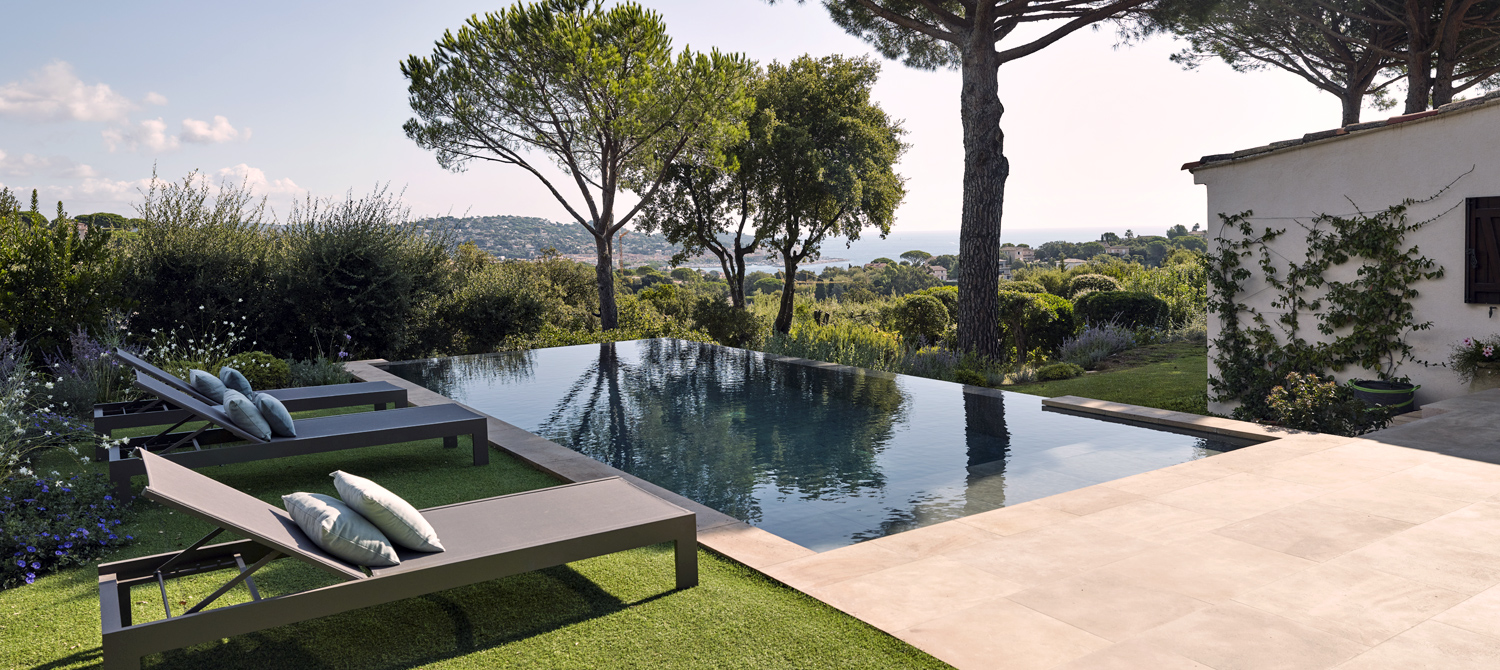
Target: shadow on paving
[[414, 632]]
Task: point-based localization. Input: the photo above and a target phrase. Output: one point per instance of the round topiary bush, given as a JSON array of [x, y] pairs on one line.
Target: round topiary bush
[[261, 369], [970, 377], [1022, 287], [1035, 321], [920, 316], [947, 294], [1092, 282], [1056, 371], [1128, 309]]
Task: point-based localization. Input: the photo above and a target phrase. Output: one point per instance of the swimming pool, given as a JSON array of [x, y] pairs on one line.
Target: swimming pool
[[824, 456]]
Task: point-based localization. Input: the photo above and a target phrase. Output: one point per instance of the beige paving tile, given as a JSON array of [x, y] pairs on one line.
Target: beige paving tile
[[1479, 614], [1360, 604], [911, 593], [1262, 455], [1445, 480], [1133, 655], [1088, 500], [1207, 567], [1206, 469], [1236, 637], [1475, 527], [1432, 558], [830, 567], [1239, 496], [1108, 606], [1154, 522], [1052, 552], [1001, 634], [1017, 518], [1313, 530], [1154, 482], [1322, 470], [750, 545], [1371, 454], [1391, 503], [933, 540], [1431, 646]]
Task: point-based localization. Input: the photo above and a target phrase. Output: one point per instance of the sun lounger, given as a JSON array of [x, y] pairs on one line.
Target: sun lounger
[[485, 539], [109, 417], [317, 435]]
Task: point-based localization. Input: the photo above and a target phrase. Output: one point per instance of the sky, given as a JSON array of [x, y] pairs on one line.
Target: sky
[[304, 99]]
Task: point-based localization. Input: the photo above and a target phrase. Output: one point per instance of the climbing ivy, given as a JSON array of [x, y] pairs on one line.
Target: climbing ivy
[[1368, 317]]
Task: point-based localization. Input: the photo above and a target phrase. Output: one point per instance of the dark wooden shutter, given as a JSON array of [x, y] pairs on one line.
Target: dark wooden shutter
[[1482, 252]]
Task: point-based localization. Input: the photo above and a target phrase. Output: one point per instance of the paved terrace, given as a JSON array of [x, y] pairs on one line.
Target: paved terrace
[[1308, 551]]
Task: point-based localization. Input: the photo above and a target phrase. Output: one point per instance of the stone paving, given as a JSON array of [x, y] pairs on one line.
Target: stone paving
[[1307, 551]]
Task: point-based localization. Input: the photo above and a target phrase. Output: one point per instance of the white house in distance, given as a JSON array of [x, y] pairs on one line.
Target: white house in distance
[[1019, 253], [938, 271], [1070, 263], [1376, 165], [1117, 249]]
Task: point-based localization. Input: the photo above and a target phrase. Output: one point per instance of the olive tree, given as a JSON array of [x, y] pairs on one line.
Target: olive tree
[[597, 91]]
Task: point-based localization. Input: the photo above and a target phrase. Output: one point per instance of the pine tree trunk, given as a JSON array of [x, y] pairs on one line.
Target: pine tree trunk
[[604, 273], [985, 172], [1353, 100], [783, 323]]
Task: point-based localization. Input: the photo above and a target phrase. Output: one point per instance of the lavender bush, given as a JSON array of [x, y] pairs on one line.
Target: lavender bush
[[90, 374], [1095, 344]]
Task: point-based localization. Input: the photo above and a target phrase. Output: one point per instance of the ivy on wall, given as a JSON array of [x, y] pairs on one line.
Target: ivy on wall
[[1367, 317]]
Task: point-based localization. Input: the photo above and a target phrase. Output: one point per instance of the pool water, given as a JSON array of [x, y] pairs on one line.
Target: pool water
[[822, 456]]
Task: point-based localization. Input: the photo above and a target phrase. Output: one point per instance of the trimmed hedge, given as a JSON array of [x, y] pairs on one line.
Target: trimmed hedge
[[1093, 282], [1127, 309], [1035, 321], [920, 316]]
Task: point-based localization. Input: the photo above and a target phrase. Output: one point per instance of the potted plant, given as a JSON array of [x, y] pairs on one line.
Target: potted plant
[[1477, 362]]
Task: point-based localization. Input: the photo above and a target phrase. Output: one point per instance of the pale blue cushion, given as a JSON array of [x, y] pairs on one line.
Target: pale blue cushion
[[233, 379], [340, 531], [400, 522], [207, 384], [245, 415], [276, 415]]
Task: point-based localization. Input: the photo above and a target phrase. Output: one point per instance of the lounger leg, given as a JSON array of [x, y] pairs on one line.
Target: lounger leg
[[121, 480], [119, 659], [450, 442], [379, 406], [481, 449], [687, 563]]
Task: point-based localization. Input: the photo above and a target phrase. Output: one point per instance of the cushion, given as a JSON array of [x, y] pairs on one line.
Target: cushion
[[207, 384], [401, 522], [339, 530], [245, 415], [233, 379], [275, 415]]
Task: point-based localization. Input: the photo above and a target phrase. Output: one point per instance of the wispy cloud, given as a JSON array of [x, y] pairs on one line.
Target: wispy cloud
[[55, 93], [27, 165], [255, 178], [150, 134], [217, 132]]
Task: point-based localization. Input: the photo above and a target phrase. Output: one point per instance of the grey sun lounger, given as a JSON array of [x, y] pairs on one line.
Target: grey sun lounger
[[109, 417], [485, 539], [317, 435]]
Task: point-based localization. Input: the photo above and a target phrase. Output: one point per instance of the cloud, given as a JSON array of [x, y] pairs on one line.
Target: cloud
[[202, 132], [255, 178], [150, 134], [154, 98], [30, 164], [55, 93]]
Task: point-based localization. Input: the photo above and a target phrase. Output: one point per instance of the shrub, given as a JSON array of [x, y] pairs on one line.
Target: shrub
[[1092, 282], [1035, 322], [319, 371], [727, 324], [1184, 287], [88, 374], [261, 369], [920, 317], [46, 525], [1307, 402], [1022, 287], [947, 294], [970, 377], [672, 301], [858, 294], [1467, 356], [1129, 309], [52, 279], [1057, 371], [502, 300], [767, 285], [1094, 344], [843, 342]]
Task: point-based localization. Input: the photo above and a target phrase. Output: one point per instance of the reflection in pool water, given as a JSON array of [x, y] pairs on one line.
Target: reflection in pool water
[[822, 456]]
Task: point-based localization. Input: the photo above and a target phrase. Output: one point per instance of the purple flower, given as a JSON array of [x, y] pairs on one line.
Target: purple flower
[[30, 578], [343, 354], [31, 549], [348, 337], [36, 566]]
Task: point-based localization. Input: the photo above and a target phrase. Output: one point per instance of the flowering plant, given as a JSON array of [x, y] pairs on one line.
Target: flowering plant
[[48, 524], [1470, 355]]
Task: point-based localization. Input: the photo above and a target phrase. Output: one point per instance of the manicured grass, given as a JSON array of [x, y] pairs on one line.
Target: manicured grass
[[617, 611], [1169, 376]]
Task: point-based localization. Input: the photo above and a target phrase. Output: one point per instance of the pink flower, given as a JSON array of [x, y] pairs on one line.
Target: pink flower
[[1489, 352], [1468, 342]]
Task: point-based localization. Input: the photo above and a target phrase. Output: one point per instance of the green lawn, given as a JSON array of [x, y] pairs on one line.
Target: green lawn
[[617, 611], [1169, 376]]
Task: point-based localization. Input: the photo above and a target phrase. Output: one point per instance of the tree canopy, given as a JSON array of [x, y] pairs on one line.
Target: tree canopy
[[597, 91]]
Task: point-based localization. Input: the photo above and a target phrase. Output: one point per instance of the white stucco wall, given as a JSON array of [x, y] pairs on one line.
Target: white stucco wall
[[1375, 169]]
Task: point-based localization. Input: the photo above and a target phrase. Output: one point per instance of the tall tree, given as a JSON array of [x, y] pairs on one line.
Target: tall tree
[[598, 91], [1325, 42], [1449, 47], [827, 164], [967, 35]]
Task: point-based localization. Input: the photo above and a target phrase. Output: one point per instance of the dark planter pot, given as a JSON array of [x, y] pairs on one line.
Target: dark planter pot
[[1400, 396]]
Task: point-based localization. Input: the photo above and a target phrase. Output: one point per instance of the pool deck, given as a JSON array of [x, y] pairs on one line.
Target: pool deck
[[1306, 551]]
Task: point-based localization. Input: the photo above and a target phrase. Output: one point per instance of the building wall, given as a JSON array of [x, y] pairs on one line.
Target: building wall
[[1375, 169]]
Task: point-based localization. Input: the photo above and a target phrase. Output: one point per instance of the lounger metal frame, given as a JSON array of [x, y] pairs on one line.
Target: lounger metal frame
[[605, 516]]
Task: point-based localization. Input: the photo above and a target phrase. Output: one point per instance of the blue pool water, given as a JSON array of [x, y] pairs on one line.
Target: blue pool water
[[824, 457]]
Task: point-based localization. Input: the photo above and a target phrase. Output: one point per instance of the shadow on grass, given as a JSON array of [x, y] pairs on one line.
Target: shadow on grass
[[418, 631]]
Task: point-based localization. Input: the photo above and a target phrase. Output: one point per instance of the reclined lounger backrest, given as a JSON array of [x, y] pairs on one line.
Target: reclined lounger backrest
[[193, 406], [165, 377], [180, 488]]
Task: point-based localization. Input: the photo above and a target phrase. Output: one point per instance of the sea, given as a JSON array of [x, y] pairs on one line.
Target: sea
[[843, 253]]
